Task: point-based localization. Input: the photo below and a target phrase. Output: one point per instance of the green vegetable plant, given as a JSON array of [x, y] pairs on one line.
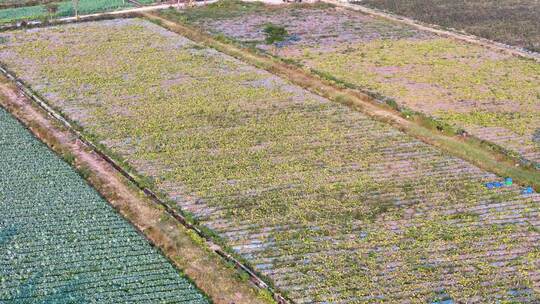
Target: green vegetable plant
[[274, 33]]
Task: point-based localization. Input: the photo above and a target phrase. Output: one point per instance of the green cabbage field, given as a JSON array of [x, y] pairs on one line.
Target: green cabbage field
[[60, 242], [65, 9]]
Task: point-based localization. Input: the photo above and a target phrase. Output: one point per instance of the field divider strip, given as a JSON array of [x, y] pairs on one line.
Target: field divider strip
[[254, 278], [433, 28]]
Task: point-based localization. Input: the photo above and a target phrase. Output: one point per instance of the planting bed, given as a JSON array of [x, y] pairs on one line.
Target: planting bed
[[489, 94], [330, 205], [60, 242]]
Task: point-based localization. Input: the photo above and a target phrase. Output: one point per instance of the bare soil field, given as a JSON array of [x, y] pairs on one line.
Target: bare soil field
[[514, 22], [328, 204], [489, 94]]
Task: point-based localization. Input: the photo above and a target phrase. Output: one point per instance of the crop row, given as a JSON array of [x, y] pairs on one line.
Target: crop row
[[61, 242], [331, 205]]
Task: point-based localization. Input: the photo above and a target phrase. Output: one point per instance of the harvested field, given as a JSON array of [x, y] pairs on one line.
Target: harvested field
[[513, 22], [330, 205], [60, 242], [489, 94]]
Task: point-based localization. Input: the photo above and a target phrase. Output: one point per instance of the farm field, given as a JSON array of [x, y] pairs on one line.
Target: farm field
[[60, 242], [65, 9], [489, 94], [327, 203], [513, 22]]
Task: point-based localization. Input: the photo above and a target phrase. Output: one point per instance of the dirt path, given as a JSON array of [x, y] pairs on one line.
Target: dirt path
[[189, 253], [432, 28]]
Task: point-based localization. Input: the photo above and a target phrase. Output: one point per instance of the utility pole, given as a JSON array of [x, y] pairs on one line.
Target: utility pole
[[76, 8]]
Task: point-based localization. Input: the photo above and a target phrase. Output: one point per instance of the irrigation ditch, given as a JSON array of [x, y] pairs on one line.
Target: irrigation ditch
[[225, 254]]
